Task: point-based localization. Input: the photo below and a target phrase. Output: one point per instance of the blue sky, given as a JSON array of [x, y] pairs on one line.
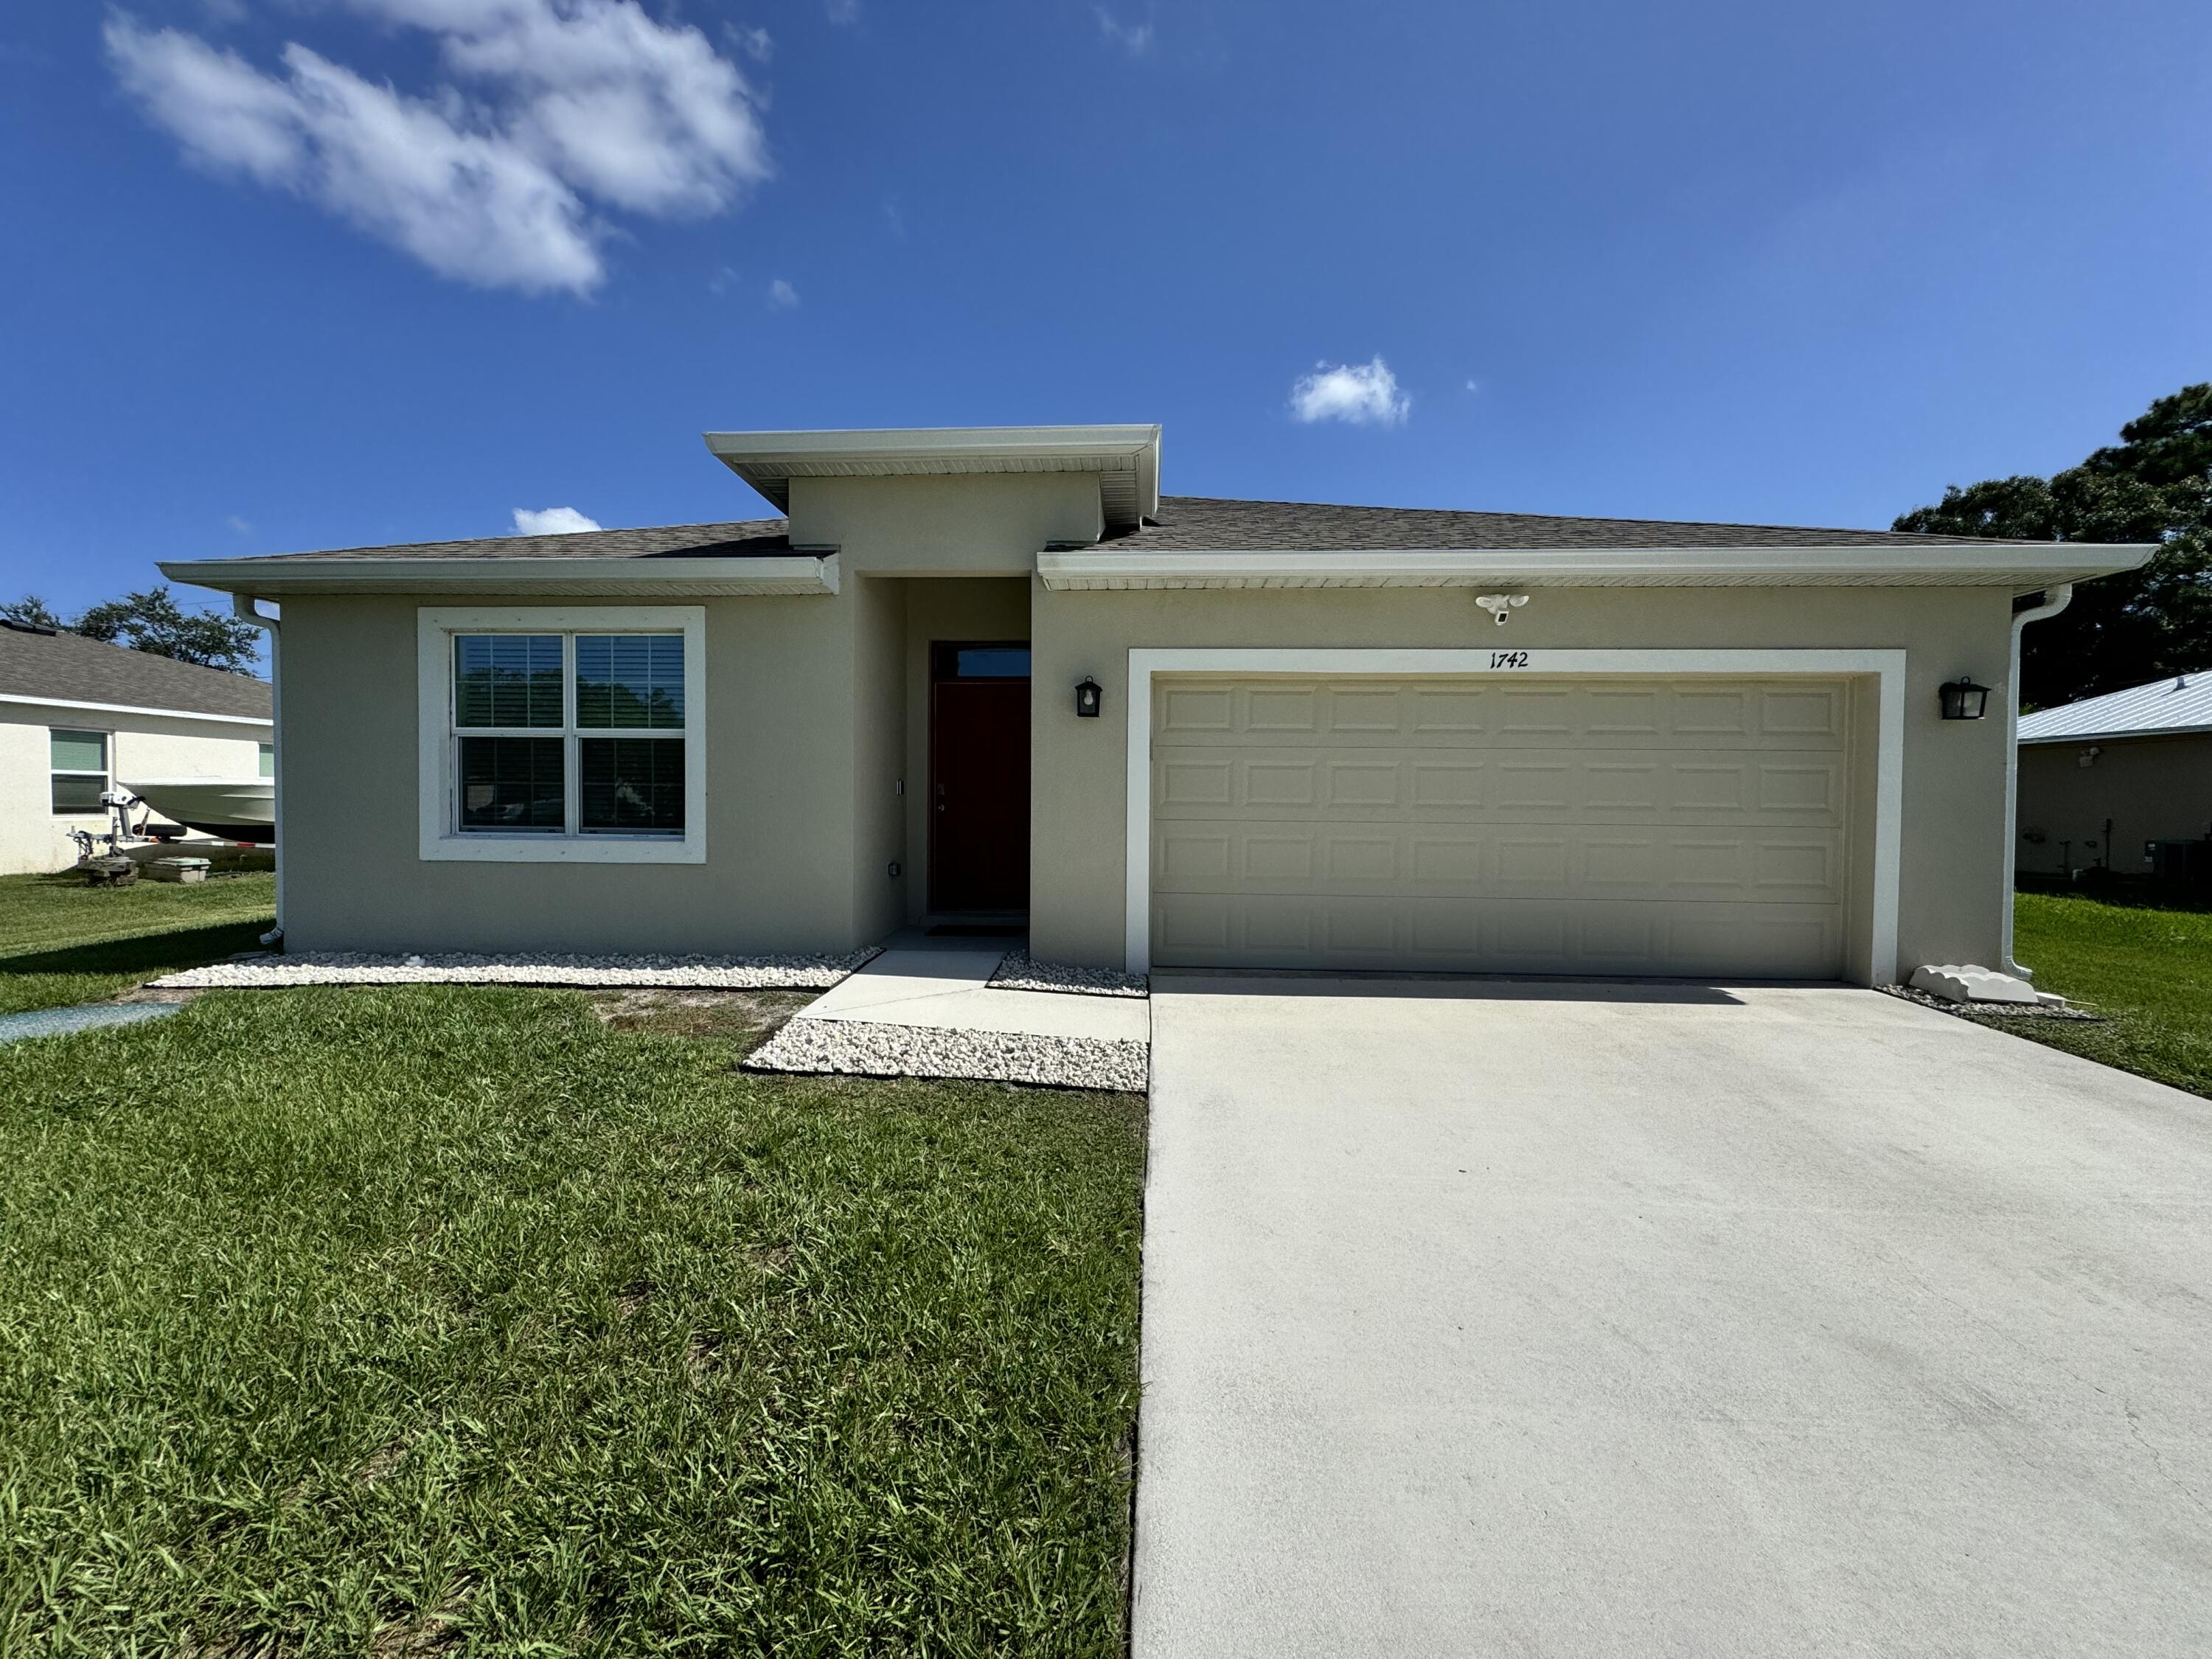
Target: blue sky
[[286, 274]]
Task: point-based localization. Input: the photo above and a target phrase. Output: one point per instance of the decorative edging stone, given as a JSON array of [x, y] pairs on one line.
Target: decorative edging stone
[[854, 1048], [792, 973], [1995, 1010], [1018, 970]]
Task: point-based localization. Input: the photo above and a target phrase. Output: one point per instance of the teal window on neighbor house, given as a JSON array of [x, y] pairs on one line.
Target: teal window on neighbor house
[[267, 766], [569, 734], [79, 762]]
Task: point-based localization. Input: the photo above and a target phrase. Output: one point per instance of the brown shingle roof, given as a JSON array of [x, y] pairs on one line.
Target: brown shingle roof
[[70, 668], [1193, 524]]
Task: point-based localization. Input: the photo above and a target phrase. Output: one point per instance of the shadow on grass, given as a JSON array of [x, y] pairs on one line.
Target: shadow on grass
[[141, 954]]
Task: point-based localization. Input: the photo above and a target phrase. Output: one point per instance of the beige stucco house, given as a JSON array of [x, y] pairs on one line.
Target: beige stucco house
[[79, 716], [2103, 781], [996, 672]]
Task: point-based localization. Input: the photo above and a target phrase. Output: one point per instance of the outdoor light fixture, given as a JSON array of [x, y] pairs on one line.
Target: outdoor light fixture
[[1964, 701], [1088, 698]]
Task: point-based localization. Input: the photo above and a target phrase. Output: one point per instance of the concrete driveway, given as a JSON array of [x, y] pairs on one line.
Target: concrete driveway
[[1583, 1320]]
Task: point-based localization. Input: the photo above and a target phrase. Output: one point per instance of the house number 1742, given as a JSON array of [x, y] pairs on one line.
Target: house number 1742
[[1509, 659]]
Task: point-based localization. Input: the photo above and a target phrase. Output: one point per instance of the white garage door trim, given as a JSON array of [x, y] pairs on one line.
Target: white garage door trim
[[1887, 668]]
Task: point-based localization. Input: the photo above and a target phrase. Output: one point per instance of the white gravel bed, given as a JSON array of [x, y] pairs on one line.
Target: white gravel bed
[[2001, 1009], [792, 973], [1019, 971], [857, 1047]]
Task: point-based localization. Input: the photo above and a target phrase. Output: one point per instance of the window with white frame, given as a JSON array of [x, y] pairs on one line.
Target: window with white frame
[[79, 762], [265, 762], [563, 733]]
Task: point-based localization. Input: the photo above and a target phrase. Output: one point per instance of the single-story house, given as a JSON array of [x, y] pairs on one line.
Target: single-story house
[[2104, 781], [996, 673], [78, 716]]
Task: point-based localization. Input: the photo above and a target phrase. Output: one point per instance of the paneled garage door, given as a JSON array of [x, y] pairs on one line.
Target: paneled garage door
[[1691, 827]]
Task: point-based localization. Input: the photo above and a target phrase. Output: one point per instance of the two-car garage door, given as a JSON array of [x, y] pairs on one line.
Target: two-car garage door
[[1689, 827]]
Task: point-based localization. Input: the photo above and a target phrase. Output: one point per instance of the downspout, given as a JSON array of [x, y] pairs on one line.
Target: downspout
[[2055, 600], [243, 606]]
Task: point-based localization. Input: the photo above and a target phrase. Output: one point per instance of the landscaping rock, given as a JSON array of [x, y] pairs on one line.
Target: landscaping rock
[[1020, 971], [796, 972], [862, 1048]]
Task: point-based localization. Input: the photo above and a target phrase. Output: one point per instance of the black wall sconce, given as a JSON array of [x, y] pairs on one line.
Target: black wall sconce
[[1964, 700], [1089, 699]]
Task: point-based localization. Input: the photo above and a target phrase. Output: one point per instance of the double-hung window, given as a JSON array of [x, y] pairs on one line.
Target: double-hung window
[[79, 762], [564, 734]]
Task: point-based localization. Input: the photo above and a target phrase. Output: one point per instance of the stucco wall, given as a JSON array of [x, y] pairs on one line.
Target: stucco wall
[[141, 745], [982, 527], [2151, 788], [779, 750], [1953, 827]]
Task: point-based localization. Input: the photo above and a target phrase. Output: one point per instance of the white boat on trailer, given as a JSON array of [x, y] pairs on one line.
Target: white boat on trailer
[[230, 808]]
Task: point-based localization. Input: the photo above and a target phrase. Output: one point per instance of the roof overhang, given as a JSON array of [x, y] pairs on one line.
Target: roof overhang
[[2077, 738], [2026, 570], [32, 699], [1126, 458], [640, 577]]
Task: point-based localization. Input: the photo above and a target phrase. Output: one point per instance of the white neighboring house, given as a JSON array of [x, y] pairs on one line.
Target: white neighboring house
[[77, 715]]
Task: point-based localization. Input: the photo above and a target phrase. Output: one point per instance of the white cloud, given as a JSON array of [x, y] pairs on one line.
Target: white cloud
[[781, 296], [847, 12], [552, 521], [755, 43], [582, 103], [1135, 38], [239, 524], [1475, 386], [1365, 394]]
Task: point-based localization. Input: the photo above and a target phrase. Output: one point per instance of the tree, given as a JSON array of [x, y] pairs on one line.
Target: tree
[[31, 610], [2155, 485], [153, 622]]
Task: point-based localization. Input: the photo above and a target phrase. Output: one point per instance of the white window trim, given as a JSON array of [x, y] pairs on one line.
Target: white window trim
[[1886, 667], [434, 656], [107, 774]]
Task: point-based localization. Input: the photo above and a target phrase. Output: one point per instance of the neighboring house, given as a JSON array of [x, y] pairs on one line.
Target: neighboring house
[[995, 672], [2102, 779], [77, 715]]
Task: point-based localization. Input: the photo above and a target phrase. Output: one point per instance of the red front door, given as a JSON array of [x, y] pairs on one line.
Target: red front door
[[978, 786]]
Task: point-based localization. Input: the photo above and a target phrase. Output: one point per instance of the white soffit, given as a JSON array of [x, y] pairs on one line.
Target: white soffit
[[1126, 458], [647, 577], [2026, 569]]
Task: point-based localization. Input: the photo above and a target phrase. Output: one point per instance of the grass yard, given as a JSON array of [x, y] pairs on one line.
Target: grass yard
[[439, 1321], [2146, 968], [62, 942]]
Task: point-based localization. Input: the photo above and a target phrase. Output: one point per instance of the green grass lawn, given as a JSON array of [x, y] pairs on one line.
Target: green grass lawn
[[433, 1320], [2147, 969], [62, 942]]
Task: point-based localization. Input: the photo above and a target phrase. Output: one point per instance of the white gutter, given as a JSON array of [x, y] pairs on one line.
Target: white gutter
[[1987, 564], [245, 608], [128, 708], [2054, 600]]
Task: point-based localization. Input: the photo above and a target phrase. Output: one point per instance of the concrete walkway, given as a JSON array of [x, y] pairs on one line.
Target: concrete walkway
[[86, 1017], [945, 984], [1588, 1319], [926, 1008]]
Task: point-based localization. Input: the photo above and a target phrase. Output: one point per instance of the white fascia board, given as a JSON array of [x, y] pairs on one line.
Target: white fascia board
[[1996, 565], [639, 577], [2078, 738], [16, 699], [769, 460]]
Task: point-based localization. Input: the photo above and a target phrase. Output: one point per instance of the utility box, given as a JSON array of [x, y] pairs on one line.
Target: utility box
[[2180, 863]]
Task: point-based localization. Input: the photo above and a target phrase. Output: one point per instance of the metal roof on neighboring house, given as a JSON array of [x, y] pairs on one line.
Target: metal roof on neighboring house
[[69, 668], [2165, 707]]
